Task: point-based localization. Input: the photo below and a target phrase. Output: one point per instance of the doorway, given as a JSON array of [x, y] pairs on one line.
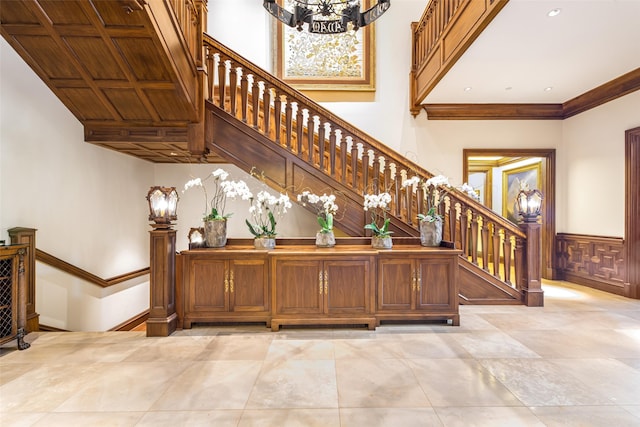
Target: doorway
[[494, 171]]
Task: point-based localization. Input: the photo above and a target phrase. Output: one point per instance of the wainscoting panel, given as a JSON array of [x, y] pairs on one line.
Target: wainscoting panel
[[594, 261]]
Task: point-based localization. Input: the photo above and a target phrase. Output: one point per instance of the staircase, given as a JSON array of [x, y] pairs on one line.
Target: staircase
[[259, 123]]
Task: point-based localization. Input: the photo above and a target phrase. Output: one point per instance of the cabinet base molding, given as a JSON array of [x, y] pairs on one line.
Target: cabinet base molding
[[162, 327], [397, 318], [228, 319], [370, 322]]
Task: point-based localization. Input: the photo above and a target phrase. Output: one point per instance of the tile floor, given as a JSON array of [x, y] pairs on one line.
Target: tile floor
[[575, 362]]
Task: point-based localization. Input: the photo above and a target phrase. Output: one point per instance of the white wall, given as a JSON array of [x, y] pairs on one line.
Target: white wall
[[87, 203]]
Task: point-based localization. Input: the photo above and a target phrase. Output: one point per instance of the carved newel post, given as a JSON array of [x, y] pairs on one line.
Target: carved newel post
[[528, 205], [162, 319]]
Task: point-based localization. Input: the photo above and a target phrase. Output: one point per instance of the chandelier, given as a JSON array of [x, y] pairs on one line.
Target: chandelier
[[327, 16]]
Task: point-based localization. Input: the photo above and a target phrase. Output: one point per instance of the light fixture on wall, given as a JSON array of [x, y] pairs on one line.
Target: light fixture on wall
[[163, 204], [326, 16], [529, 204]]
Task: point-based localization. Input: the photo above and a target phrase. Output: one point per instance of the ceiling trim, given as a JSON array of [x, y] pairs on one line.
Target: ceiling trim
[[616, 88]]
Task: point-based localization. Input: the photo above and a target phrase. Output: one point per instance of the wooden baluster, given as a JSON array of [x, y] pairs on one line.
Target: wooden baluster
[[210, 73], [453, 220], [518, 255], [474, 238], [244, 99], [288, 118], [398, 194], [222, 81], [321, 141], [332, 151], [496, 250], [386, 178], [484, 236], [376, 174], [277, 116], [344, 149], [255, 99], [233, 88], [409, 196], [354, 164], [299, 129], [464, 236], [365, 170], [266, 107], [507, 257], [310, 134]]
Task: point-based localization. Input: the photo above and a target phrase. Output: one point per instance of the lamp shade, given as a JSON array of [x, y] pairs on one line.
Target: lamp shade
[[163, 203], [529, 204]]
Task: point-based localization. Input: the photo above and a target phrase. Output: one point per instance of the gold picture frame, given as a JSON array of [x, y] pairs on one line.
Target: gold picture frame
[[511, 181], [325, 62]]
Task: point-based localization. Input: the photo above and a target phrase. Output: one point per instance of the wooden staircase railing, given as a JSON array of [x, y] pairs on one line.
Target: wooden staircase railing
[[318, 151]]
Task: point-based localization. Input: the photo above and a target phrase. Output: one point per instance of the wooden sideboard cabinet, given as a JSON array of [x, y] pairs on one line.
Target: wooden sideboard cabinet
[[224, 285], [319, 287], [418, 284], [13, 297]]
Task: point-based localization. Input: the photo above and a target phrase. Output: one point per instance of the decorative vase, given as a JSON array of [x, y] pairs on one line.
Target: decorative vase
[[380, 242], [325, 240], [431, 232], [215, 233], [267, 243]]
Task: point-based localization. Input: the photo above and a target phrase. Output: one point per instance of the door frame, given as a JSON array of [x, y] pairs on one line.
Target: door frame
[[548, 167]]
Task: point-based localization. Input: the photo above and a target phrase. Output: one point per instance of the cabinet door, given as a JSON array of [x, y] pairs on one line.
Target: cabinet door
[[347, 286], [395, 284], [299, 288], [435, 289], [248, 285], [208, 287]]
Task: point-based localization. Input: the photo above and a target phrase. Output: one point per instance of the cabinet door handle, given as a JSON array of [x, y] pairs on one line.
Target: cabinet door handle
[[326, 282], [231, 280], [418, 280], [226, 282], [320, 281], [413, 281]]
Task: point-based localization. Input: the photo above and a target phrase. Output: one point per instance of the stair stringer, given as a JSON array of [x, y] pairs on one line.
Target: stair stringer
[[479, 287]]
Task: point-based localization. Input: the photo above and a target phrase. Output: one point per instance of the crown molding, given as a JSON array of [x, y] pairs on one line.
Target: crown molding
[[616, 88]]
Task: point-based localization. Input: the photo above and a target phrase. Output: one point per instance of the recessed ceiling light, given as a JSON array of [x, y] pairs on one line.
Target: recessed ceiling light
[[554, 12], [548, 89], [508, 88], [467, 89]]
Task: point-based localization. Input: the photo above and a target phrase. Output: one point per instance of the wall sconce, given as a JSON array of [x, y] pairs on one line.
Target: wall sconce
[[163, 203], [529, 204], [196, 238]]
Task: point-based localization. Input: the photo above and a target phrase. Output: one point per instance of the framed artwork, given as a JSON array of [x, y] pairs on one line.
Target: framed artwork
[[512, 180], [310, 61], [481, 179]]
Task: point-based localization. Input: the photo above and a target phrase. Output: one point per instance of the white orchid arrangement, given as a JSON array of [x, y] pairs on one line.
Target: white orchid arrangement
[[433, 190], [325, 206], [222, 190], [469, 191], [378, 205], [265, 211]]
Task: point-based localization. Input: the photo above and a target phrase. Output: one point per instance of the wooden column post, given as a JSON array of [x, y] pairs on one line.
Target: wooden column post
[[27, 236], [531, 271], [162, 319]]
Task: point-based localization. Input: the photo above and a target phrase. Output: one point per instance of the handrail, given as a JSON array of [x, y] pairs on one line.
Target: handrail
[[52, 261], [353, 160]]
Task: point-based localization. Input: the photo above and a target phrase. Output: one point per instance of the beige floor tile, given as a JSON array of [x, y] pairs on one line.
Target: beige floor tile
[[431, 346], [460, 382], [204, 386], [585, 416], [375, 383], [237, 348], [483, 345], [290, 418], [20, 419], [488, 417], [93, 419], [389, 417], [282, 350], [295, 384], [218, 418], [15, 370], [367, 349]]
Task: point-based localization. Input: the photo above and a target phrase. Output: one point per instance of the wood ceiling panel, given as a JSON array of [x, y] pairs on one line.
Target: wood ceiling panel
[[84, 105], [168, 106], [44, 51], [128, 104], [16, 13], [111, 13], [95, 57], [141, 55], [64, 12]]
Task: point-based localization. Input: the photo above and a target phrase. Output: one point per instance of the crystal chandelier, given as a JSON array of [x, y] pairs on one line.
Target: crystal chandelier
[[327, 16]]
